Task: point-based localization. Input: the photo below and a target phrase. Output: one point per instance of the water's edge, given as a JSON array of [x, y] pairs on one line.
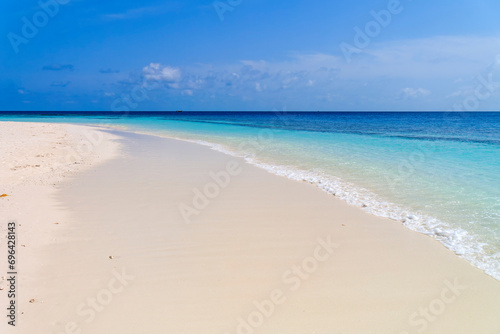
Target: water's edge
[[458, 240]]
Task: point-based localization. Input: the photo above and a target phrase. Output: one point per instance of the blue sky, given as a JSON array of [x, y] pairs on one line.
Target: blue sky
[[250, 55]]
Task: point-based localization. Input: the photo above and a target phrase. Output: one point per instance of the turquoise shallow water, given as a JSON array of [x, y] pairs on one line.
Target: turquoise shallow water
[[438, 173]]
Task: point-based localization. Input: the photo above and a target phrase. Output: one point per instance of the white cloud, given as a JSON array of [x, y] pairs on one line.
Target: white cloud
[[435, 57], [134, 13], [158, 72], [462, 92], [412, 93], [432, 65]]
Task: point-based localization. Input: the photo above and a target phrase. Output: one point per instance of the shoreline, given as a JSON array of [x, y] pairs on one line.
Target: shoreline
[[366, 201], [262, 241]]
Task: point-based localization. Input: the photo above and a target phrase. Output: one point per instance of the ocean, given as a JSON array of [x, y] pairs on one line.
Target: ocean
[[436, 173]]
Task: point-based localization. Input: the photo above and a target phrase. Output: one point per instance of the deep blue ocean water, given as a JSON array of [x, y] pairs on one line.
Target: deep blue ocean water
[[438, 173]]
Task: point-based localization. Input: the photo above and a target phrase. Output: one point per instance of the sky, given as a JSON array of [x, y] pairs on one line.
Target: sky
[[250, 55]]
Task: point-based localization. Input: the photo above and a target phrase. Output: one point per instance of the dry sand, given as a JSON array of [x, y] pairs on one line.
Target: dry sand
[[35, 159], [139, 250]]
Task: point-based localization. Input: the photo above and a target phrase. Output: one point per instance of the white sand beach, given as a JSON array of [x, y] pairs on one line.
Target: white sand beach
[[128, 233]]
